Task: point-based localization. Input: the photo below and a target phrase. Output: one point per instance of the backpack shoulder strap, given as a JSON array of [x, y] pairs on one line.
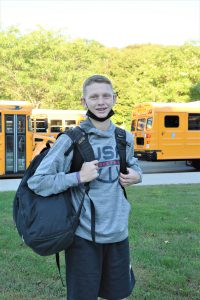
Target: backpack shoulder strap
[[120, 136], [84, 149], [80, 139], [83, 144]]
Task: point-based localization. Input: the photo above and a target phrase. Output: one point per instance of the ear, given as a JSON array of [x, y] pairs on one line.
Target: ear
[[114, 98], [83, 102]]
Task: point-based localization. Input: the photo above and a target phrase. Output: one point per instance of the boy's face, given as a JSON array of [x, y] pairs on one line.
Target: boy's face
[[99, 99]]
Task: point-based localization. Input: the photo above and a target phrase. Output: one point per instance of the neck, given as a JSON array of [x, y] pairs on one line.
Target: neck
[[101, 125]]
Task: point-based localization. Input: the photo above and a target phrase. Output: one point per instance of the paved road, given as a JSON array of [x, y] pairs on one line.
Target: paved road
[[171, 178], [154, 173], [9, 184], [149, 167]]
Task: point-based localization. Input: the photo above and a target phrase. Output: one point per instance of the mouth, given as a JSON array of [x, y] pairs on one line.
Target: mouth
[[101, 110]]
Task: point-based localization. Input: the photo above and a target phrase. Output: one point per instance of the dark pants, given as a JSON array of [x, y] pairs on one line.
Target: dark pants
[[98, 270]]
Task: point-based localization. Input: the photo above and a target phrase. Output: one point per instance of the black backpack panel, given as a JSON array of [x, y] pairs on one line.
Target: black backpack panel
[[47, 224]]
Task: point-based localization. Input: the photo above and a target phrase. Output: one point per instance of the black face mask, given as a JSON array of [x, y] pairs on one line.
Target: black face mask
[[92, 116]]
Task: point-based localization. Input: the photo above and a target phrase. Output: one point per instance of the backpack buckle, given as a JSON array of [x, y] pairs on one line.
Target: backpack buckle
[[82, 139]]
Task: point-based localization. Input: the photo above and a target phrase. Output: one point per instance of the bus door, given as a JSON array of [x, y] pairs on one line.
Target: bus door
[[170, 135], [15, 144]]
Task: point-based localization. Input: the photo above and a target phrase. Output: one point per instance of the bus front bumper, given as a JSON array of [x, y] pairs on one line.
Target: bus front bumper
[[150, 155]]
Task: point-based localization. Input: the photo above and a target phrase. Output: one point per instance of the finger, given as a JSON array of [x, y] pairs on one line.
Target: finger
[[122, 180], [95, 167], [129, 170], [122, 183], [96, 174], [95, 162], [125, 180], [124, 176]]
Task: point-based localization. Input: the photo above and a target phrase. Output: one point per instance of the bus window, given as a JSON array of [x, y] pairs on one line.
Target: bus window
[[141, 124], [0, 123], [171, 121], [9, 124], [21, 155], [56, 126], [29, 123], [193, 121], [33, 125], [41, 125], [133, 125], [149, 123], [69, 124], [55, 121], [21, 124]]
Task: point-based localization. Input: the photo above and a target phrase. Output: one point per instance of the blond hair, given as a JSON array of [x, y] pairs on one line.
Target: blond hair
[[95, 79]]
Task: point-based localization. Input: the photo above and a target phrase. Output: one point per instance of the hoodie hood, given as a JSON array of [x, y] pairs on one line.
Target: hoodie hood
[[89, 128]]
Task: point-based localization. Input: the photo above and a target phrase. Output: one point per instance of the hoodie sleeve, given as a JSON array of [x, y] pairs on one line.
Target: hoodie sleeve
[[51, 176], [132, 162]]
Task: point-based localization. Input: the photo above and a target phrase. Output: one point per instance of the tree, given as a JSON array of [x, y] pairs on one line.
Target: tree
[[48, 69]]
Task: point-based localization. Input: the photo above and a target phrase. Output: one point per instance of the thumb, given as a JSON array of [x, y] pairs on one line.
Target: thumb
[[95, 162]]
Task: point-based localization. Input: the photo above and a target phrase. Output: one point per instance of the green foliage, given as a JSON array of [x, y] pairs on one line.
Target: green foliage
[[48, 69]]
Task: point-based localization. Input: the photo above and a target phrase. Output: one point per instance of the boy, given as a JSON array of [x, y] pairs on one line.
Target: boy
[[100, 268]]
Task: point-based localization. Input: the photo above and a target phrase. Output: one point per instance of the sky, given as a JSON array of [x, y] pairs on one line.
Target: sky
[[114, 23]]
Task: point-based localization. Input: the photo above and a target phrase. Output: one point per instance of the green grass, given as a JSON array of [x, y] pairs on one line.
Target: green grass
[[164, 242]]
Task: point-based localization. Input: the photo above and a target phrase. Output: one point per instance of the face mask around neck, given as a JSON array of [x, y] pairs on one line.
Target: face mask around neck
[[92, 116]]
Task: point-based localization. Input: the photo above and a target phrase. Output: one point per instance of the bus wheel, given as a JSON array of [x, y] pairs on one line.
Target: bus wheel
[[196, 164]]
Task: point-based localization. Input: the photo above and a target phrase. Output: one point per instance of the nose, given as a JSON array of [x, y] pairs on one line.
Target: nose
[[100, 100]]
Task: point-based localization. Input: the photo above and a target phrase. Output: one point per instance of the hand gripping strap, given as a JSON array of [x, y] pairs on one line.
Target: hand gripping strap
[[120, 135]]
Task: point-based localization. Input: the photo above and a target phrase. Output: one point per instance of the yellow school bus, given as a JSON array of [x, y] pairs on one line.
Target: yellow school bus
[[49, 122], [167, 131], [24, 132], [16, 137]]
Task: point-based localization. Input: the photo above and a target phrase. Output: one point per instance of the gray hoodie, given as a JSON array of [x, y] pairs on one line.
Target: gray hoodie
[[111, 207]]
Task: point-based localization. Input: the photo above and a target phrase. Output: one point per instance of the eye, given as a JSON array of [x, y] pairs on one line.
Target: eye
[[107, 96], [94, 97]]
